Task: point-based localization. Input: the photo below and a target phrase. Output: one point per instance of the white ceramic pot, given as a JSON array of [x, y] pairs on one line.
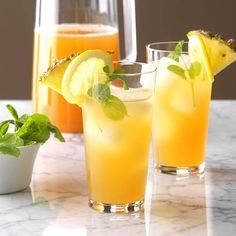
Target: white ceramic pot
[[16, 172]]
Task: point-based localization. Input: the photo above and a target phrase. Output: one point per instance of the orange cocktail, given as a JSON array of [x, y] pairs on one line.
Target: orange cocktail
[[180, 119], [117, 146], [181, 106], [59, 42]]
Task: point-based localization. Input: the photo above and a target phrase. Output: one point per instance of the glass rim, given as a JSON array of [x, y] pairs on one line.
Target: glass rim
[[152, 68], [149, 46]]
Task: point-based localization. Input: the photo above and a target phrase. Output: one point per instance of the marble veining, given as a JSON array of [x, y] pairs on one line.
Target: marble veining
[[56, 201]]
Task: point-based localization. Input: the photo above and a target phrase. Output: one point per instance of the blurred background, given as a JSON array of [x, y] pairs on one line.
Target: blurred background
[[157, 20]]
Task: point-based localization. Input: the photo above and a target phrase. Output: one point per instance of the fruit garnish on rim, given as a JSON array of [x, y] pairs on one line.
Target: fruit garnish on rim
[[208, 55], [88, 74], [54, 74], [221, 53]]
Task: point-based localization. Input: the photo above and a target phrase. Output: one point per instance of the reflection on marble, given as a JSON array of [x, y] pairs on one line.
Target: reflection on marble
[[178, 206], [56, 202]]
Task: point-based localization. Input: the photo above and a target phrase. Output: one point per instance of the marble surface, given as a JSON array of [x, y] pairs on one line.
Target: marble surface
[[55, 204]]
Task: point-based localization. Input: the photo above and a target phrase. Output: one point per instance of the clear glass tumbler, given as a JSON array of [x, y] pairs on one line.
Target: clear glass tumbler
[[117, 137], [181, 107], [66, 27]]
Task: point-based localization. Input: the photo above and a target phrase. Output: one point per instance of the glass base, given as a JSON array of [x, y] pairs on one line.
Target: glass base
[[182, 171], [113, 208]]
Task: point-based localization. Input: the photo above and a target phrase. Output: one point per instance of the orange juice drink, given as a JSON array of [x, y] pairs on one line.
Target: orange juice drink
[[117, 134], [181, 106], [117, 151], [117, 120], [57, 43], [180, 119], [182, 95]]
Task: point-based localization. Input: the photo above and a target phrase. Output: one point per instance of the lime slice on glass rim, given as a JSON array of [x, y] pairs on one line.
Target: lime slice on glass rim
[[79, 76], [197, 52]]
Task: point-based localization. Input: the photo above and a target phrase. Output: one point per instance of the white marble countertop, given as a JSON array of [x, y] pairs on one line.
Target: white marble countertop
[[56, 202]]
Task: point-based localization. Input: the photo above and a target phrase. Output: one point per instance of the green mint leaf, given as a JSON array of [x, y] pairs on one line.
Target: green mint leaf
[[125, 84], [175, 55], [179, 46], [12, 111], [9, 150], [177, 70], [118, 73], [35, 129], [23, 119], [194, 69], [12, 139], [114, 108], [28, 130], [4, 127], [28, 142], [101, 92], [106, 69], [57, 134]]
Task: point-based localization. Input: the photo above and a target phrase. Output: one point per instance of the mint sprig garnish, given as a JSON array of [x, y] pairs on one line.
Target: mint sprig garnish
[[29, 129], [175, 55], [192, 72], [117, 74], [189, 73], [194, 69], [177, 70], [101, 92], [112, 106]]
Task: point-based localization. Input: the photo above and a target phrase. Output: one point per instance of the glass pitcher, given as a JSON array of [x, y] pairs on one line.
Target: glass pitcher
[[65, 27]]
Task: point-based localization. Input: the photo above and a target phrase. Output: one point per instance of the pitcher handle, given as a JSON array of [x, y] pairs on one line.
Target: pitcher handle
[[130, 28]]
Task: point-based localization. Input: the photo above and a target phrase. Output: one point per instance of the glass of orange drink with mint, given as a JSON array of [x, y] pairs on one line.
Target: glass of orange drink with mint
[[117, 103], [185, 73]]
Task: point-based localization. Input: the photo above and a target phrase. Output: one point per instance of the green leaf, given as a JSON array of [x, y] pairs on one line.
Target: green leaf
[[28, 142], [114, 108], [100, 92], [175, 55], [106, 69], [23, 118], [57, 134], [194, 69], [28, 130], [12, 111], [9, 150], [35, 129], [4, 127], [177, 70], [12, 139], [118, 73], [125, 84]]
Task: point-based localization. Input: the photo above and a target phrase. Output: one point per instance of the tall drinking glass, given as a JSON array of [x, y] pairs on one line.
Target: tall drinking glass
[[181, 106], [117, 141], [65, 27]]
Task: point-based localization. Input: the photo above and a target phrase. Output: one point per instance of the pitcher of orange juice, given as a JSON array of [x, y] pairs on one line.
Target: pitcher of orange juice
[[65, 27]]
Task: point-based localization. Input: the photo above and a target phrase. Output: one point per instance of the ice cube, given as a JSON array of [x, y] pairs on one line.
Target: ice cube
[[184, 61], [187, 96], [166, 79], [183, 97]]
